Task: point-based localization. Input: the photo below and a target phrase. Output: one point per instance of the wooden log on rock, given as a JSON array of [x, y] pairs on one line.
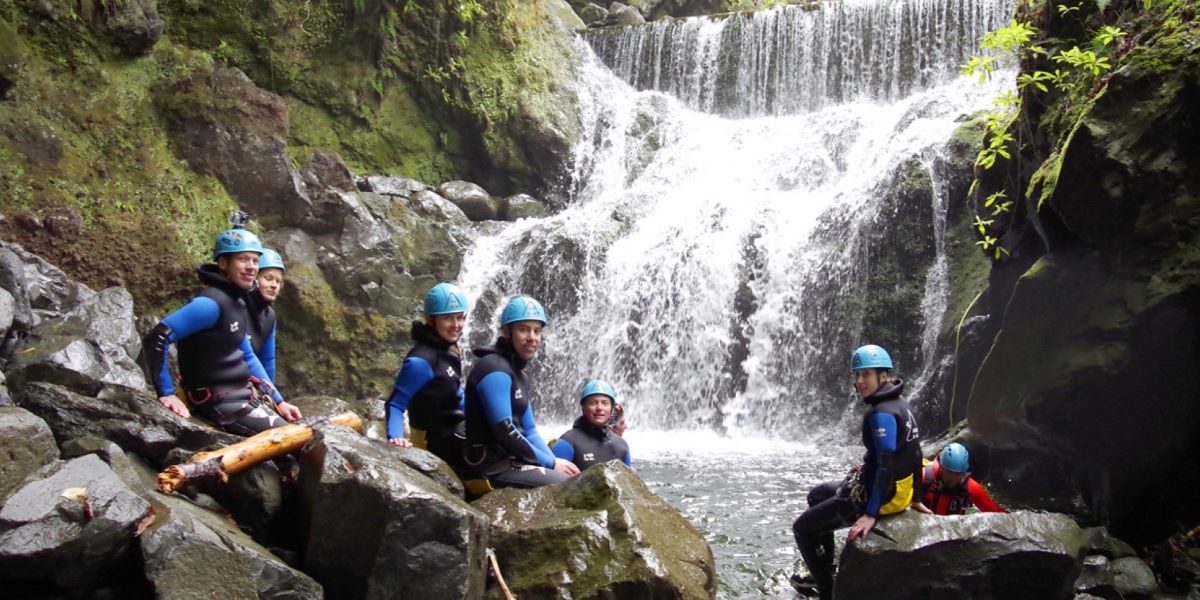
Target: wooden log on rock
[[235, 458]]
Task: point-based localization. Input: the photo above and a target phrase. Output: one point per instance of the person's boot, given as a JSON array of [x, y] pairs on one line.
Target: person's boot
[[805, 585]]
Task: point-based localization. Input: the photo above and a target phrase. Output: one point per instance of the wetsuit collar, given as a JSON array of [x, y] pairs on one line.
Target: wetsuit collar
[[586, 426], [210, 274], [504, 348], [424, 334], [889, 390]]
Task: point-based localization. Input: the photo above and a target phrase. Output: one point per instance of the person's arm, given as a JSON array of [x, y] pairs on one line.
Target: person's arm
[[414, 374], [268, 357], [495, 394], [197, 315], [256, 368], [883, 428], [628, 460], [545, 457], [563, 449], [980, 497]]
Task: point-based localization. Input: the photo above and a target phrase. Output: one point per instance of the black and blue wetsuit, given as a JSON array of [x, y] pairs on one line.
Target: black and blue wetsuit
[[216, 360], [262, 331], [503, 443], [586, 445], [429, 387], [884, 485]]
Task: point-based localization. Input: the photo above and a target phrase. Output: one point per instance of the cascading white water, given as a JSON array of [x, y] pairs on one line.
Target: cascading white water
[[702, 261], [794, 60]]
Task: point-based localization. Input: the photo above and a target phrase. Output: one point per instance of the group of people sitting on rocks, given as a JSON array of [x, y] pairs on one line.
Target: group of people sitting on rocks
[[484, 429], [893, 477]]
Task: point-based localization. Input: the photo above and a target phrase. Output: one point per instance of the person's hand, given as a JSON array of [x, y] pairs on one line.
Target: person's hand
[[172, 403], [288, 411], [565, 467], [861, 528], [401, 442], [920, 507]]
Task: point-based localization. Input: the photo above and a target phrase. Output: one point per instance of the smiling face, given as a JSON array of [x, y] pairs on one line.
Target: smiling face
[[240, 268], [867, 381], [597, 408], [270, 283], [448, 327], [526, 337]]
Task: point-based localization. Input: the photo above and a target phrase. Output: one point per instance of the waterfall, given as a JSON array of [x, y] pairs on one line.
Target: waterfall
[[716, 270], [793, 60]]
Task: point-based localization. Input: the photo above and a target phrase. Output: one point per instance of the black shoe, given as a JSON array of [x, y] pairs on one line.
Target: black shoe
[[805, 585]]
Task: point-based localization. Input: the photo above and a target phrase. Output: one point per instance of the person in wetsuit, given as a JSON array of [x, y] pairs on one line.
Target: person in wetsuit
[[616, 423], [429, 384], [947, 488], [262, 315], [883, 485], [503, 443], [216, 362], [590, 441]]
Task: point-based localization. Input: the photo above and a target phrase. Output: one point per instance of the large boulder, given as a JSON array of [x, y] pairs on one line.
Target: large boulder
[[982, 556], [132, 25], [603, 534], [521, 206], [73, 527], [224, 125], [26, 443], [378, 529], [475, 201], [389, 185], [132, 419]]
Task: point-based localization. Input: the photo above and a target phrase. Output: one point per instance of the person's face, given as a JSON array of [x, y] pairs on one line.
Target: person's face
[[618, 426], [596, 409], [867, 381], [240, 268], [270, 283], [526, 337], [448, 327], [951, 479]]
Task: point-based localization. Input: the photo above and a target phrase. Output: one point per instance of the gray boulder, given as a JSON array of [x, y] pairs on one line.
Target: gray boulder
[[132, 25], [561, 12], [474, 201], [1100, 541], [378, 529], [224, 125], [521, 206], [5, 398], [72, 527], [195, 553], [603, 534], [327, 170], [982, 556], [388, 185], [1133, 579], [1096, 578], [26, 443], [432, 206], [8, 311], [132, 419], [625, 15], [592, 13]]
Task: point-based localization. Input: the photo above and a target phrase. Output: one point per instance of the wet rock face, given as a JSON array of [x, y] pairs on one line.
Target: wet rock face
[[71, 527], [224, 125], [600, 535], [422, 541], [984, 556], [26, 445]]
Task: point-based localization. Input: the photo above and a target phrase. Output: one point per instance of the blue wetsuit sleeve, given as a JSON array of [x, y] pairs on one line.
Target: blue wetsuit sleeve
[[564, 450], [883, 429], [462, 399], [268, 357], [414, 374], [197, 315], [628, 460], [540, 448], [256, 368], [495, 394]]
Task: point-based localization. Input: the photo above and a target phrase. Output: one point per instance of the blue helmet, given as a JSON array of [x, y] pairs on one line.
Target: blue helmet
[[233, 241], [522, 308], [596, 386], [445, 299], [870, 357], [270, 259], [954, 458]]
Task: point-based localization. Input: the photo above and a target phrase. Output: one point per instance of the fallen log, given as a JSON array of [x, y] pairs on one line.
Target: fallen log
[[235, 458]]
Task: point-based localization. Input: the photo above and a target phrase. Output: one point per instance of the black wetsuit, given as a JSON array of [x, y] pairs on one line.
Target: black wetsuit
[[262, 331], [215, 357], [429, 387], [503, 443], [586, 445], [889, 433]]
